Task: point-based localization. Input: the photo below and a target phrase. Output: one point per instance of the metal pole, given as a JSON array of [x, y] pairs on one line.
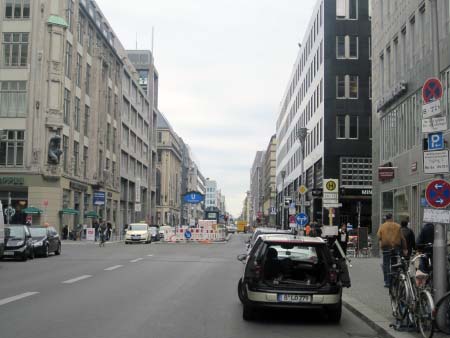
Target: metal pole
[[8, 215], [283, 174], [440, 231]]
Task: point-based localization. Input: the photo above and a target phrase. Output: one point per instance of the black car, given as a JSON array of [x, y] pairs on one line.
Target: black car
[[18, 242], [45, 241], [292, 272]]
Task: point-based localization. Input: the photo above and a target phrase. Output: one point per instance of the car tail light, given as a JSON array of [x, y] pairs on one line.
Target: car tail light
[[332, 275]]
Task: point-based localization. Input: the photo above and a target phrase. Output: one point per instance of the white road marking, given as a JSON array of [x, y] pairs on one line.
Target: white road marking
[[18, 297], [149, 255], [136, 260], [73, 280], [111, 268]]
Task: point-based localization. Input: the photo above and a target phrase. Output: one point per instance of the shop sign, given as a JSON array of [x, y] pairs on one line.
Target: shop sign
[[11, 180], [386, 174], [99, 198], [78, 186]]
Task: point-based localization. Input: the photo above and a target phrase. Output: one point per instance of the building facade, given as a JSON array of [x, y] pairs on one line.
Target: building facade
[[269, 182], [403, 58], [60, 111], [211, 199], [329, 95], [168, 174], [257, 189]]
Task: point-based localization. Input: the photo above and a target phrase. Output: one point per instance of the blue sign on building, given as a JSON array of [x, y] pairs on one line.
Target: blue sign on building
[[193, 197], [99, 197], [435, 141]]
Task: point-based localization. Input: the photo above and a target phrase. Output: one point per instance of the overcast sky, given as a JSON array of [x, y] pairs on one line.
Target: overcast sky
[[223, 67]]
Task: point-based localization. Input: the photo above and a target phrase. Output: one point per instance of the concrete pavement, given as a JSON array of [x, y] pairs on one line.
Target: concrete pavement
[[120, 290]]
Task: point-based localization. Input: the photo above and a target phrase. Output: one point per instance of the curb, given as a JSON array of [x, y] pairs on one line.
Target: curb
[[377, 322]]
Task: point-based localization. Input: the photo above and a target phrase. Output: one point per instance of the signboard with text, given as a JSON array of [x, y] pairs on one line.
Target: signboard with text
[[435, 162], [99, 198], [434, 124]]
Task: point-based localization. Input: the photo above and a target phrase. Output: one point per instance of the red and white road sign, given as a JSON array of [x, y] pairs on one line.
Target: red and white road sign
[[432, 90], [438, 194]]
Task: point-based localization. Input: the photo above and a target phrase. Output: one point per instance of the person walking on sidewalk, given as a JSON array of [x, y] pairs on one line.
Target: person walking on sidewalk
[[424, 245], [343, 237], [391, 242], [409, 236]]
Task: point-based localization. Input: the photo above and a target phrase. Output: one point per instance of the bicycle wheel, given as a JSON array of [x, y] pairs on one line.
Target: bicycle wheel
[[393, 294], [425, 314], [403, 299], [444, 302]]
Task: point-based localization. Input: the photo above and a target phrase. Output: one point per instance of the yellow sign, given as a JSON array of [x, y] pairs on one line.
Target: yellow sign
[[302, 189], [330, 185]]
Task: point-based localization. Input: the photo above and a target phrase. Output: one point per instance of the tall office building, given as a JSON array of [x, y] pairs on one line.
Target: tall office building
[[329, 94], [257, 189]]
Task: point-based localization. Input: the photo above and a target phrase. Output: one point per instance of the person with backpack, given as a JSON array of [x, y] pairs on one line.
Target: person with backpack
[[409, 237]]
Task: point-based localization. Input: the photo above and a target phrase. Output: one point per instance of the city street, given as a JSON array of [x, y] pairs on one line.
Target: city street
[[156, 290]]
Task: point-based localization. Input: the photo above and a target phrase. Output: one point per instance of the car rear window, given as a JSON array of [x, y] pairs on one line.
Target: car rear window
[[296, 252]]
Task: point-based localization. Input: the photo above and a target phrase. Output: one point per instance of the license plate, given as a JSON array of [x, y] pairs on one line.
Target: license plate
[[289, 298], [8, 253]]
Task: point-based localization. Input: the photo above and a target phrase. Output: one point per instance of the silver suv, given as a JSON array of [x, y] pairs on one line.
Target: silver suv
[[288, 271]]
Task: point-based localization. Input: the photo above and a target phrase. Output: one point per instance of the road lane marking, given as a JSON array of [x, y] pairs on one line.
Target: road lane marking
[[111, 268], [18, 297], [149, 255], [136, 260], [73, 280]]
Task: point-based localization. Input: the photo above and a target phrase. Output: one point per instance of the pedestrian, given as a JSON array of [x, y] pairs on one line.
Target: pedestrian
[[409, 237], [108, 231], [307, 230], [391, 242], [65, 232], [424, 245], [343, 237], [96, 226]]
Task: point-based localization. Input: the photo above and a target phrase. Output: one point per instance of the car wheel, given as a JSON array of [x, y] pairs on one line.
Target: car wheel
[[24, 257], [335, 313], [248, 313], [58, 251], [46, 250], [241, 291]]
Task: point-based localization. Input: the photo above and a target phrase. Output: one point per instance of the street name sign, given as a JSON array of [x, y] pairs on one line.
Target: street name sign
[[438, 194], [332, 205], [436, 141], [436, 216], [434, 125], [431, 109], [435, 162]]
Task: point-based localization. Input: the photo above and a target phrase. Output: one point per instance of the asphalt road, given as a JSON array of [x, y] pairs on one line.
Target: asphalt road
[[154, 291]]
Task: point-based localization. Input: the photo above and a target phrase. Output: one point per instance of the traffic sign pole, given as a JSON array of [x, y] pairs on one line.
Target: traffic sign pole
[[9, 207]]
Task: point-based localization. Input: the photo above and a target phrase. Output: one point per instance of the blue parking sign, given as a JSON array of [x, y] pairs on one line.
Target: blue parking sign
[[435, 141]]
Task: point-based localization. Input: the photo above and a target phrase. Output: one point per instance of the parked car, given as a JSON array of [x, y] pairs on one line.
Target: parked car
[[138, 233], [155, 233], [45, 241], [292, 272], [18, 242]]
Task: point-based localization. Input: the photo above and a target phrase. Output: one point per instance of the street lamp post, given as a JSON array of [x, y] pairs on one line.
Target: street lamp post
[[301, 136], [283, 175]]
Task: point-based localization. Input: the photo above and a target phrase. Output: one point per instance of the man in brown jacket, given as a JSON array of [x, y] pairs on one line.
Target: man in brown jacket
[[391, 242]]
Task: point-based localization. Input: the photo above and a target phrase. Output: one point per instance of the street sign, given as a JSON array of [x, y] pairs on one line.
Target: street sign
[[273, 211], [193, 197], [431, 109], [436, 141], [99, 198], [137, 207], [436, 216], [302, 219], [292, 219], [438, 194], [432, 90], [302, 189], [305, 203], [435, 162], [332, 205], [434, 125], [10, 212], [330, 185], [187, 234]]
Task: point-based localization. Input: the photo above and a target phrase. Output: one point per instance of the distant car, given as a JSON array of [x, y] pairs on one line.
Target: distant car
[[45, 241], [138, 233], [18, 242], [231, 229], [291, 272], [155, 233]]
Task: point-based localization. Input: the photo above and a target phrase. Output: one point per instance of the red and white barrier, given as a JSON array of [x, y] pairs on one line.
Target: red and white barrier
[[197, 235]]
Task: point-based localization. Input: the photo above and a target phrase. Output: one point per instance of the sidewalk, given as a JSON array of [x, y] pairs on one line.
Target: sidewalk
[[369, 299], [114, 239]]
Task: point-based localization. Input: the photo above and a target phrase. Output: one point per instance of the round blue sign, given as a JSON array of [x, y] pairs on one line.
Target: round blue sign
[[302, 219], [188, 234], [193, 197]]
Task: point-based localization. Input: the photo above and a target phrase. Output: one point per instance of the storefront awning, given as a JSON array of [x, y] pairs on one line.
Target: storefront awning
[[91, 214], [68, 211], [32, 211]]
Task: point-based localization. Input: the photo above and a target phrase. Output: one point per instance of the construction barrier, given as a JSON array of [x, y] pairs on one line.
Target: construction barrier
[[194, 235]]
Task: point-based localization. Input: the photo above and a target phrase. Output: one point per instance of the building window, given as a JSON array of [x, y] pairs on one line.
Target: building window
[[79, 68], [76, 114], [108, 101], [80, 27], [69, 14], [356, 172], [347, 127], [13, 99], [15, 49], [87, 113], [85, 161], [76, 157], [346, 47], [66, 106], [11, 148], [347, 86], [108, 136], [90, 40], [347, 9], [65, 153], [114, 140], [88, 79], [66, 199], [17, 9], [370, 87], [68, 60]]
